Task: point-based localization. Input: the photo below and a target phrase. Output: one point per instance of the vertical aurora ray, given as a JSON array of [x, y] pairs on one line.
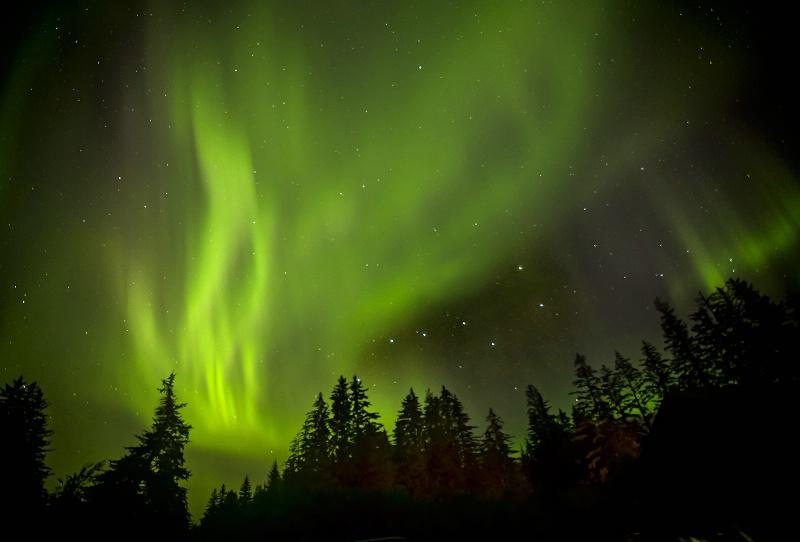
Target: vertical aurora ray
[[221, 329]]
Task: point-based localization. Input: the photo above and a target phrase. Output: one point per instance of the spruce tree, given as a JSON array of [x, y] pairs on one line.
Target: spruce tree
[[245, 491], [409, 441], [496, 462], [370, 464], [588, 389], [547, 456], [635, 400], [692, 371], [340, 421], [657, 374], [145, 483], [25, 437], [310, 452], [274, 479], [361, 418]]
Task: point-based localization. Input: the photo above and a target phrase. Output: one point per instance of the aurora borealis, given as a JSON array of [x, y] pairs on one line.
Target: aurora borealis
[[262, 196]]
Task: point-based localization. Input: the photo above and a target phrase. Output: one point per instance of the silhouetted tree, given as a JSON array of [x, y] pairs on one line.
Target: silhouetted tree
[[588, 389], [612, 388], [498, 466], [24, 439], [309, 460], [245, 491], [439, 447], [745, 336], [229, 510], [635, 397], [409, 441], [546, 457], [657, 374], [73, 492], [691, 372], [370, 466], [450, 445], [340, 421], [145, 483], [212, 509], [360, 416], [274, 478], [467, 445]]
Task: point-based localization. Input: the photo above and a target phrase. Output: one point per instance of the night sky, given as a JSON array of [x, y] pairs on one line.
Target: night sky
[[263, 196]]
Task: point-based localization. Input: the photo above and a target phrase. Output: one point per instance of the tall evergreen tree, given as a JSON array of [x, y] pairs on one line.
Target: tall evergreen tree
[[145, 483], [25, 437], [409, 441], [657, 374], [613, 392], [467, 443], [310, 452], [274, 479], [546, 455], [451, 446], [340, 421], [361, 418], [745, 336], [212, 509], [439, 448], [409, 429], [588, 389], [245, 492], [370, 464], [498, 466], [692, 372], [542, 425], [635, 400]]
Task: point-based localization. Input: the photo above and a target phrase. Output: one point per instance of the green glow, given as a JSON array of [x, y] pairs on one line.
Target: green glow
[[327, 223], [278, 195]]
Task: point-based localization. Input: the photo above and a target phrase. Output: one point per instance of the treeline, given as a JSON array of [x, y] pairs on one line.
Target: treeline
[[581, 463], [610, 468], [141, 489]]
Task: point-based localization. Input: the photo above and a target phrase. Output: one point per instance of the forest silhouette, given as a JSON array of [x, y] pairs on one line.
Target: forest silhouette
[[689, 441]]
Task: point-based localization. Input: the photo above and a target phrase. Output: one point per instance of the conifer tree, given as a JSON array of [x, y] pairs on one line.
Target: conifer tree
[[340, 421], [245, 491], [467, 443], [451, 446], [635, 400], [657, 374], [496, 462], [25, 437], [590, 397], [212, 508], [541, 425], [546, 456], [274, 478], [692, 372], [439, 448], [361, 419], [310, 452], [409, 428], [613, 392], [222, 494], [370, 463], [145, 483], [409, 441]]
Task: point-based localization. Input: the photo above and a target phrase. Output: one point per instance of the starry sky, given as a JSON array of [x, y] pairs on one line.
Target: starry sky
[[261, 196]]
